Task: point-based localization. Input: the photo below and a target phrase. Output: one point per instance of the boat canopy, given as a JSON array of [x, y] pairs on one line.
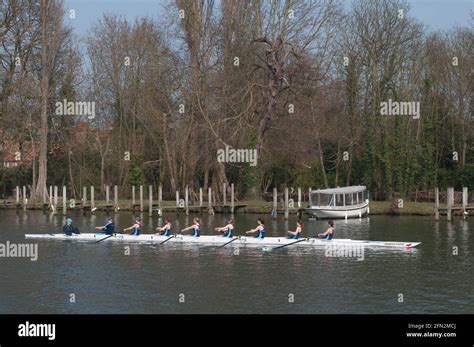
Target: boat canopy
[[345, 196]]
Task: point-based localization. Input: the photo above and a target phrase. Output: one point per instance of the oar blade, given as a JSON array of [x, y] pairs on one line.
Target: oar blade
[[289, 244], [225, 244], [105, 238], [169, 238]]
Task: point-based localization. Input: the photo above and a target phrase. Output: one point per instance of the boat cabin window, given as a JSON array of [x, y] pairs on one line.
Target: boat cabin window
[[337, 199], [318, 199], [350, 199]]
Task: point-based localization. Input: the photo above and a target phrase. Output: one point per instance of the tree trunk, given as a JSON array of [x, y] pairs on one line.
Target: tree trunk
[[43, 150], [321, 159]]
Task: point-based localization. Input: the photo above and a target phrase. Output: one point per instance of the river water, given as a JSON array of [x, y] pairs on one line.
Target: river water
[[78, 277]]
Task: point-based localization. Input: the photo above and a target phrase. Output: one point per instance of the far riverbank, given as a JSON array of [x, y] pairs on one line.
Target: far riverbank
[[244, 206]]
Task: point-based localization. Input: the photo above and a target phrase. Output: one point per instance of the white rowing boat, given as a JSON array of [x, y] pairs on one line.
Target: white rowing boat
[[220, 240]]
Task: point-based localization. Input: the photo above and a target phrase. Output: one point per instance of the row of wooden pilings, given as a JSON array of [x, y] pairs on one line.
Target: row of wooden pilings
[[53, 199], [288, 204], [450, 205]]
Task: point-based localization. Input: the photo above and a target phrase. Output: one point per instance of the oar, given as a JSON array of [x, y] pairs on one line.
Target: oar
[[105, 238], [169, 238], [109, 236], [225, 244], [289, 244]]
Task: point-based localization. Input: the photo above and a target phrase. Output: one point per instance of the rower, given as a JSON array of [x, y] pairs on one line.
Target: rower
[[108, 228], [259, 230], [136, 227], [70, 229], [299, 228], [165, 229], [196, 227], [328, 234], [228, 230]]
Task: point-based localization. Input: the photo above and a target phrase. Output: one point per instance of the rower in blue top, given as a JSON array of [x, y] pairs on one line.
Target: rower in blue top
[[228, 229], [195, 227], [328, 234], [165, 230], [259, 230], [108, 228], [135, 228], [296, 234], [70, 229]]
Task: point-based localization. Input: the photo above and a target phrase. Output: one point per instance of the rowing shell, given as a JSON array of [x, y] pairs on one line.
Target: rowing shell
[[220, 240]]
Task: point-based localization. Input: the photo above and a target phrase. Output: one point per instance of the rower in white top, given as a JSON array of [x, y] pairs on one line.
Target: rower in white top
[[296, 234], [195, 227], [228, 229], [329, 233], [259, 230], [165, 230]]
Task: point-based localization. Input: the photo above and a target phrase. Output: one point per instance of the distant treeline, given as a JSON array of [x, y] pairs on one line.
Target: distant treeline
[[325, 94]]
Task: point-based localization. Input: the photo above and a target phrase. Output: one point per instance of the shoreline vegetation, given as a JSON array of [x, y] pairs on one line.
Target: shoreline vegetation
[[272, 94], [251, 206]]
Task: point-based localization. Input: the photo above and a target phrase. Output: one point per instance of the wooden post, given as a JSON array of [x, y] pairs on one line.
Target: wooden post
[[160, 196], [107, 195], [64, 201], [464, 201], [287, 212], [24, 198], [92, 198], [84, 197], [299, 197], [200, 197], [275, 202], [56, 196], [450, 202], [232, 195], [224, 188], [45, 193], [141, 198], [209, 196], [116, 206], [150, 197], [133, 196], [186, 200], [436, 203]]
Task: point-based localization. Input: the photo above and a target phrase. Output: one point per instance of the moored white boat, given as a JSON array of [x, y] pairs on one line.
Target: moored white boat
[[334, 203], [220, 240]]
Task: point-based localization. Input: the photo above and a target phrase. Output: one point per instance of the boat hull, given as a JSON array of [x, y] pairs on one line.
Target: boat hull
[[220, 240], [339, 212]]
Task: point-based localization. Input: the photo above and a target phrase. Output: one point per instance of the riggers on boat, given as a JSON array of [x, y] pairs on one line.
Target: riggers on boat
[[221, 240]]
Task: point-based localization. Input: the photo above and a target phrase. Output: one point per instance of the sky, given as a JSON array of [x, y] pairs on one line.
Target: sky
[[436, 14]]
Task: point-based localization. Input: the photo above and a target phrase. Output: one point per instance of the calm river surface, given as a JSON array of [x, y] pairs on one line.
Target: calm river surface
[[153, 279]]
